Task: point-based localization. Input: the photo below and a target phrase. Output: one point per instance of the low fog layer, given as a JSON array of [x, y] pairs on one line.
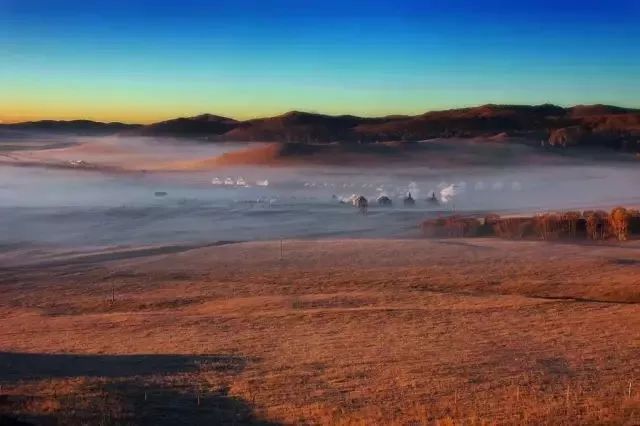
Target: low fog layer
[[93, 192]]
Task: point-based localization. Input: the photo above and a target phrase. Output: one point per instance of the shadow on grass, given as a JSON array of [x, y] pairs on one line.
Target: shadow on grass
[[34, 366], [625, 262], [121, 389]]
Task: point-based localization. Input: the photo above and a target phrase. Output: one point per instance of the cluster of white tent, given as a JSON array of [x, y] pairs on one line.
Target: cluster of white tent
[[444, 193], [238, 182]]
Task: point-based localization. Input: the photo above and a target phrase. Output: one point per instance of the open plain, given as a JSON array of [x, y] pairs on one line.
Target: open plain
[[464, 331]]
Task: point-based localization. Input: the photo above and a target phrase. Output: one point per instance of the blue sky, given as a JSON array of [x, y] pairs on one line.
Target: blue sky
[[150, 60]]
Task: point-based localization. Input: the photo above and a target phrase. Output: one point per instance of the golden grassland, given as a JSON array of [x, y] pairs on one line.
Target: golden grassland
[[350, 332]]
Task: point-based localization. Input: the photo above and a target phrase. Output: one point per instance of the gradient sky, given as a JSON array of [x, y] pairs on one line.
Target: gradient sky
[[141, 61]]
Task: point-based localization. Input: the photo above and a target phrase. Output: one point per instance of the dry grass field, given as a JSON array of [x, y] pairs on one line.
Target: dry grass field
[[477, 331]]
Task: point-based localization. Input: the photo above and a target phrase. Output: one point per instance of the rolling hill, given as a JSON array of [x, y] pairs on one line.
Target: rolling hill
[[599, 124], [605, 125]]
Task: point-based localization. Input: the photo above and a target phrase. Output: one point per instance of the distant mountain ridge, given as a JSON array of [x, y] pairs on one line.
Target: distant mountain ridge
[[200, 125], [598, 124], [83, 127]]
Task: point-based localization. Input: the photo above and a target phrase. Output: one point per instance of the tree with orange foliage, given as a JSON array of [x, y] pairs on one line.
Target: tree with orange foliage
[[597, 224], [570, 223], [547, 226], [514, 227], [619, 221]]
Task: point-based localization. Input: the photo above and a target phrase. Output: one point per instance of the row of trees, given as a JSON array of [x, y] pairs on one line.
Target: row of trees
[[620, 224]]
